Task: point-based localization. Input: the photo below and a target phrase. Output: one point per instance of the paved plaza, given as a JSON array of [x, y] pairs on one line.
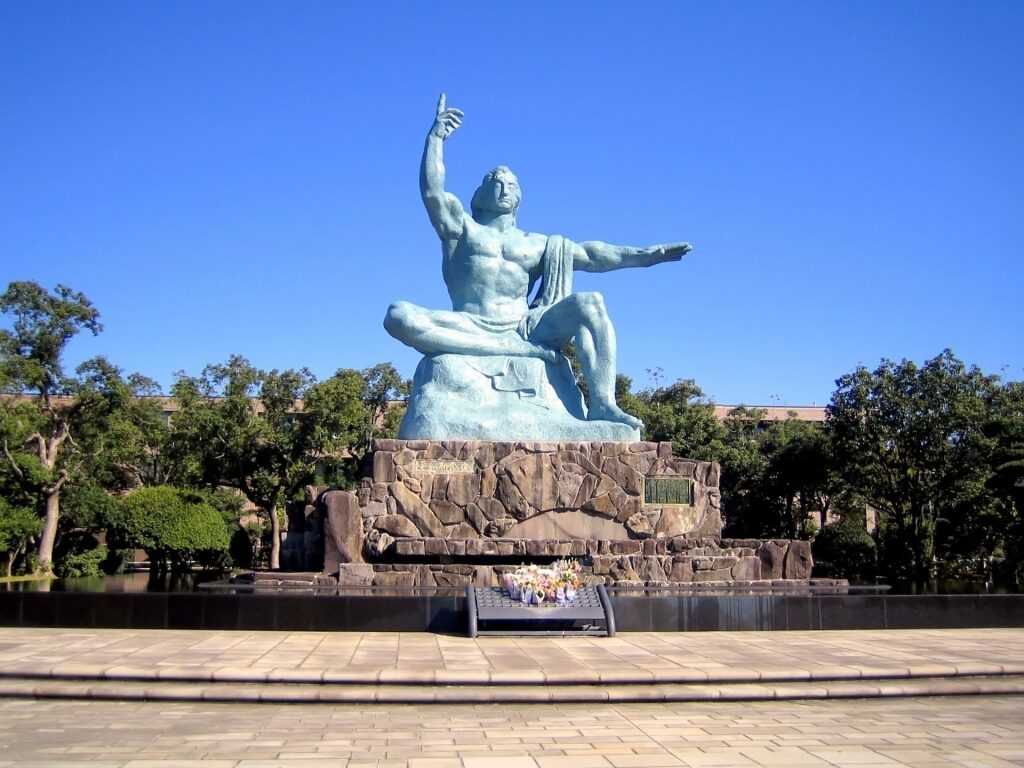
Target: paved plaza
[[968, 732], [147, 698], [365, 667]]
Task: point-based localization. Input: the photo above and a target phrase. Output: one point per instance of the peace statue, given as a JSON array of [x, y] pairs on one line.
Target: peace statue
[[493, 366]]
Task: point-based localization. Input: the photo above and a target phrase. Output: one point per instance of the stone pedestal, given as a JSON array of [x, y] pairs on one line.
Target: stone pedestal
[[450, 513], [560, 491]]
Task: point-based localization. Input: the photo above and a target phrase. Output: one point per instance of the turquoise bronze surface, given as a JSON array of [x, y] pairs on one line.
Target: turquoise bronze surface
[[493, 366]]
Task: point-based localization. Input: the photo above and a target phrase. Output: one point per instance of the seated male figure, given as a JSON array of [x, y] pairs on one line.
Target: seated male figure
[[490, 267]]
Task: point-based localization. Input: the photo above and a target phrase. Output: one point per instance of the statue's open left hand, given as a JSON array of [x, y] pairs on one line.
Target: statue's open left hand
[[671, 251], [447, 120]]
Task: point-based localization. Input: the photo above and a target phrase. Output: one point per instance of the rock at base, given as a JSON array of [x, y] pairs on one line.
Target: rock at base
[[469, 397], [343, 530]]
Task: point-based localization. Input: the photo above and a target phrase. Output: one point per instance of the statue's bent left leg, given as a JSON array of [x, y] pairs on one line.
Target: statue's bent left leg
[[583, 317]]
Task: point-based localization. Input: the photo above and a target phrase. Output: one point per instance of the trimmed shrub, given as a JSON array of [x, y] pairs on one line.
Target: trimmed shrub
[[176, 527], [87, 563]]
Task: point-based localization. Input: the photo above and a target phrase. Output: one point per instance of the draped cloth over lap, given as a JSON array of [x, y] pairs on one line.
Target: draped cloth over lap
[[556, 283]]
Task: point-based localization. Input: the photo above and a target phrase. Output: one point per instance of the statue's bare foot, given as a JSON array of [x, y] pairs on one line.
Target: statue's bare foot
[[547, 354], [600, 412]]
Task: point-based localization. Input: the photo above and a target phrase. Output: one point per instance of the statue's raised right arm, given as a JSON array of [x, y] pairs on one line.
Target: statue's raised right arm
[[444, 209]]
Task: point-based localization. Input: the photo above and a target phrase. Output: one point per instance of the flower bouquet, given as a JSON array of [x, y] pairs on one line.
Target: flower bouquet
[[533, 584]]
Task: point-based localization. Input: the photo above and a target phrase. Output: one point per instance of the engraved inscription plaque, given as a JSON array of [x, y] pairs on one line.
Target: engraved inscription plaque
[[443, 466], [668, 491]]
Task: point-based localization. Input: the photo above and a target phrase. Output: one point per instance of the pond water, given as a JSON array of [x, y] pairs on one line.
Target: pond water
[[140, 581], [951, 587]]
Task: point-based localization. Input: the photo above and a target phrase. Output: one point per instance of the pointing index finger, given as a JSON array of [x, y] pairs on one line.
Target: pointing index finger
[[441, 103]]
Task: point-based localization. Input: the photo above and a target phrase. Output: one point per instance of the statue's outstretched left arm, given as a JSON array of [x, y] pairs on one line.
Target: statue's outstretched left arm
[[595, 256]]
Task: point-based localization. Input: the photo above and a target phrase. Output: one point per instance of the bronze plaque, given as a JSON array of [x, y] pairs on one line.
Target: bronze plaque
[[668, 490], [443, 466]]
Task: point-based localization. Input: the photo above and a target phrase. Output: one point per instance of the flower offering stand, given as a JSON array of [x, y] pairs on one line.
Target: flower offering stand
[[492, 611]]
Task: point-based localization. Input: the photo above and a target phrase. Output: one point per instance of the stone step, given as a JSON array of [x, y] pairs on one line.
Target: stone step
[[636, 691], [74, 672]]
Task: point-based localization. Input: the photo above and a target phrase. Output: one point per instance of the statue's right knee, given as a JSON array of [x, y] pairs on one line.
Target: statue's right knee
[[399, 318]]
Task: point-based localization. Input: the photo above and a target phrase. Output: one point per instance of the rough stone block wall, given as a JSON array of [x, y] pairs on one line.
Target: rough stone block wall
[[457, 490], [453, 513]]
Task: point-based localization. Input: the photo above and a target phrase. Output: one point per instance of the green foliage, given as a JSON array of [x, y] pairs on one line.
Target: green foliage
[[118, 426], [243, 428], [796, 476], [383, 388], [32, 563], [85, 505], [239, 427], [174, 526], [336, 414], [569, 350], [743, 466], [680, 414], [773, 473], [17, 525], [910, 440], [1005, 484], [228, 503], [845, 550], [102, 434], [42, 324], [78, 564]]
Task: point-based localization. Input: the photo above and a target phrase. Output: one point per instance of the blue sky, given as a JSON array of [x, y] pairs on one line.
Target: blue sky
[[241, 177]]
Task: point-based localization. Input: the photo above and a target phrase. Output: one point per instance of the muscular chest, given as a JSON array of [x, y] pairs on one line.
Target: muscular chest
[[514, 249]]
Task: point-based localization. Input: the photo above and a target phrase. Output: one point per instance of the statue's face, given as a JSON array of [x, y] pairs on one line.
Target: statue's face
[[503, 195]]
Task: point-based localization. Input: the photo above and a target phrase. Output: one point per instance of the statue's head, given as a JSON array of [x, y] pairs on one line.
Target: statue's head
[[498, 192]]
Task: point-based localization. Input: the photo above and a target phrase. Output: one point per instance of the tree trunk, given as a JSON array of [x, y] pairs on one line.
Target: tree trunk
[[48, 450], [922, 544], [49, 536], [275, 535]]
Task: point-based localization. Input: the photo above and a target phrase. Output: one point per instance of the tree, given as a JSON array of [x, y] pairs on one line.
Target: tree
[[175, 527], [773, 474], [17, 525], [798, 477], [236, 427], [37, 432], [383, 387], [263, 433], [1005, 484], [746, 512], [119, 427], [910, 439], [341, 424], [844, 549], [680, 414]]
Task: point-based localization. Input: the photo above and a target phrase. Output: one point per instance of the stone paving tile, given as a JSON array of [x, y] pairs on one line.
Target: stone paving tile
[[634, 657], [958, 731]]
